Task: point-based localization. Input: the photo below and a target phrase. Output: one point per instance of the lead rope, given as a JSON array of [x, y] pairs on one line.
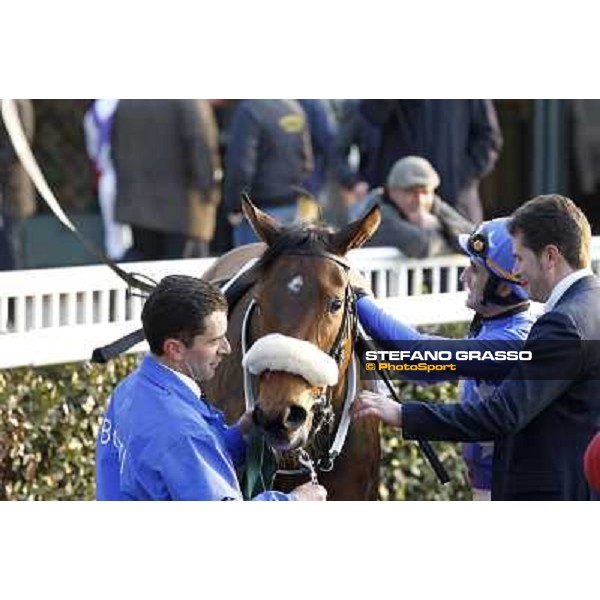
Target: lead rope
[[307, 462]]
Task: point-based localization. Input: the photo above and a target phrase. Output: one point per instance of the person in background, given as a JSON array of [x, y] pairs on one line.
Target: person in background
[[163, 164], [414, 219], [461, 139], [203, 211], [322, 127], [269, 157], [17, 193], [97, 126], [355, 154], [317, 205], [223, 238]]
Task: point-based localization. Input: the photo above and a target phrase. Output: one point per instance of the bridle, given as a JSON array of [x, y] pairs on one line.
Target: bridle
[[324, 415]]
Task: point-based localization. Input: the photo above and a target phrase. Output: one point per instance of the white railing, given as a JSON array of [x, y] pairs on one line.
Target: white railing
[[392, 275], [94, 295], [64, 297], [51, 316]]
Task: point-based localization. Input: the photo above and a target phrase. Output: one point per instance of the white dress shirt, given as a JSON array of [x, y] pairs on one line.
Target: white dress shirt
[[187, 380], [563, 285]]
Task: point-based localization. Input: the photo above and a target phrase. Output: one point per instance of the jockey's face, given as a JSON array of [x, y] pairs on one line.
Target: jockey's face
[[474, 278], [202, 357]]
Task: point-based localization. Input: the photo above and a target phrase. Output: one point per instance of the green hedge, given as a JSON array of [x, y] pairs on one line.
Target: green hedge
[[48, 423], [49, 419]]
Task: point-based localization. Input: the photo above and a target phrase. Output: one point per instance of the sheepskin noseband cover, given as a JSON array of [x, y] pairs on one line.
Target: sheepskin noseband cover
[[276, 352]]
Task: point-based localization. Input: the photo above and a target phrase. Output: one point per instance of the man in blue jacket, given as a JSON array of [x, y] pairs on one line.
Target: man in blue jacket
[[160, 438], [545, 413], [502, 314]]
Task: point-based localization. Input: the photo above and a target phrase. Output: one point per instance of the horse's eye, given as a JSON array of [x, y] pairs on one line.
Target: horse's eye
[[335, 304]]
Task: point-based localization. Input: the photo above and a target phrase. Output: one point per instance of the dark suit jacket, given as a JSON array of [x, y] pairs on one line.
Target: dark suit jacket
[[162, 161], [541, 427], [460, 138]]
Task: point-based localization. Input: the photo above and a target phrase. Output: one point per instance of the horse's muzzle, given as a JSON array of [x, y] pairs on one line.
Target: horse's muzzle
[[286, 422]]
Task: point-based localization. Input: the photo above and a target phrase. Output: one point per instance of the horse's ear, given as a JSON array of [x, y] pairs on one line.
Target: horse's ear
[[265, 226], [357, 233]]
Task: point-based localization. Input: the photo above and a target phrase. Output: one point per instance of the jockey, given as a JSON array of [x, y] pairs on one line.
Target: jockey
[[502, 313], [160, 438]]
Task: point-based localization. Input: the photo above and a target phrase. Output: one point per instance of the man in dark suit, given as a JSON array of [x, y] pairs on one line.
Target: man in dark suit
[[547, 410], [163, 165]]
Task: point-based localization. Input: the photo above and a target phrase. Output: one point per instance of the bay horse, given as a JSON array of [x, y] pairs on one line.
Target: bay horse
[[302, 292]]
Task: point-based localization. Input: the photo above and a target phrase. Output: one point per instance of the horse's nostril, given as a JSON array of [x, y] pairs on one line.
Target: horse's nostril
[[262, 421], [294, 417]]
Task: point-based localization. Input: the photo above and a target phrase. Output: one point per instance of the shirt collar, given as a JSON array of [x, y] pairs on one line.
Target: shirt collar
[[188, 381], [563, 285]]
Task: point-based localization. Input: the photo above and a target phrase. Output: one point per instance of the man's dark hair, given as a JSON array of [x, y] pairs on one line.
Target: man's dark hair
[[554, 220], [177, 308]]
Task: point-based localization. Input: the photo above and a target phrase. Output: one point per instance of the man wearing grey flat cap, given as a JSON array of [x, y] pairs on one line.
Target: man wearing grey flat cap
[[460, 137], [414, 219]]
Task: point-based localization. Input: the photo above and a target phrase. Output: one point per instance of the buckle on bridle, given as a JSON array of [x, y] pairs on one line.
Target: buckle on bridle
[[306, 461], [326, 464]]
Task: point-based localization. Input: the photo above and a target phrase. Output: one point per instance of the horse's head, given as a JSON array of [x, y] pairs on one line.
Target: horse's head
[[304, 295]]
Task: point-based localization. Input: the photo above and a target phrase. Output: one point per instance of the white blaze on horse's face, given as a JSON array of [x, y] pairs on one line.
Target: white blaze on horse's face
[[295, 284]]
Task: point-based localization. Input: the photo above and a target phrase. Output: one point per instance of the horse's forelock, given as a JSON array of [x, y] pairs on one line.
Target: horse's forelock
[[314, 238]]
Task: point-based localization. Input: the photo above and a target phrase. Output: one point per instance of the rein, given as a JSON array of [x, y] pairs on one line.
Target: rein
[[23, 151]]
